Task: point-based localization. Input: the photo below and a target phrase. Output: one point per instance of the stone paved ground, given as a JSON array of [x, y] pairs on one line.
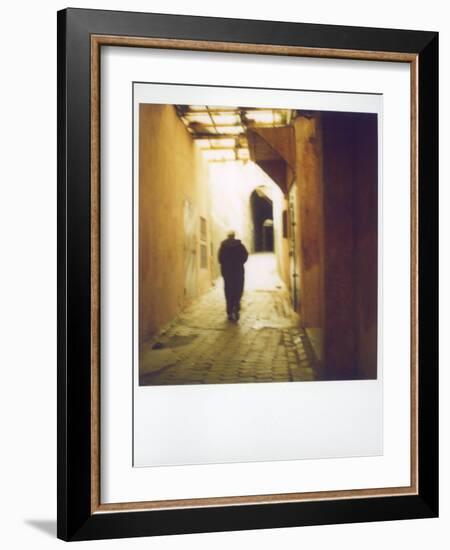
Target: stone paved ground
[[202, 347]]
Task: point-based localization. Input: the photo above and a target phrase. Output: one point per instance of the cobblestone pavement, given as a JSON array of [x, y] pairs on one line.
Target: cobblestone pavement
[[202, 347]]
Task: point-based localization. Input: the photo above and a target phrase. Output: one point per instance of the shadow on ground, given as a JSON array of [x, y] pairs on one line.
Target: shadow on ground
[[46, 526]]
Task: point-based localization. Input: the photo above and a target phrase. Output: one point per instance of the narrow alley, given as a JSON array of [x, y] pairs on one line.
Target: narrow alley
[[200, 346], [299, 191]]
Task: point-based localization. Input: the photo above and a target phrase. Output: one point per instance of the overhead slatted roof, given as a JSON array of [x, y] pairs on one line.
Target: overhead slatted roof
[[221, 132]]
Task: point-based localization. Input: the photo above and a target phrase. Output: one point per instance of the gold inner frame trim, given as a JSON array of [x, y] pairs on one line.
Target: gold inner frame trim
[[97, 41]]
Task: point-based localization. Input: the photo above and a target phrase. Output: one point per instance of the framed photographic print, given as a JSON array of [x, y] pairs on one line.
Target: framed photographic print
[[247, 268]]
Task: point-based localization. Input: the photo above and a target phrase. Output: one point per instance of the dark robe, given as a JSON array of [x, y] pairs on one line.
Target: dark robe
[[232, 257]]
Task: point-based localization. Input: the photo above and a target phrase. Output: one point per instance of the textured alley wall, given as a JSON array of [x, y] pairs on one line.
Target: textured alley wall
[[173, 195], [337, 194], [308, 145], [350, 180]]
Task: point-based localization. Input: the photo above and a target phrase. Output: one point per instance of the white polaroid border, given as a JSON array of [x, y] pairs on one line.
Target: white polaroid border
[[251, 422], [274, 424]]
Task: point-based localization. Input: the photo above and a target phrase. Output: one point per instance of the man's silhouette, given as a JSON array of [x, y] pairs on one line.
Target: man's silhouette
[[232, 257]]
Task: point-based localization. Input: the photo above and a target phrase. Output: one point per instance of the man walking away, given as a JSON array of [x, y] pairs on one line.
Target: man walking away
[[232, 257]]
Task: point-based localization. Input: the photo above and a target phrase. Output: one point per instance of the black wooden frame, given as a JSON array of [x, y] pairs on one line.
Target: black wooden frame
[[75, 521]]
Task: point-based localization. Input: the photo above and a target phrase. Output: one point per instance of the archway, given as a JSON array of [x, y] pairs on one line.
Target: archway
[[262, 216]]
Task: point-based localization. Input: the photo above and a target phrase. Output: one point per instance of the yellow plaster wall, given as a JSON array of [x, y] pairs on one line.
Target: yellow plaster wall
[[173, 193]]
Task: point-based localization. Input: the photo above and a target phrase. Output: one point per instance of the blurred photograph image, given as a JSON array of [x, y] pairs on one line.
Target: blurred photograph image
[[257, 245]]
